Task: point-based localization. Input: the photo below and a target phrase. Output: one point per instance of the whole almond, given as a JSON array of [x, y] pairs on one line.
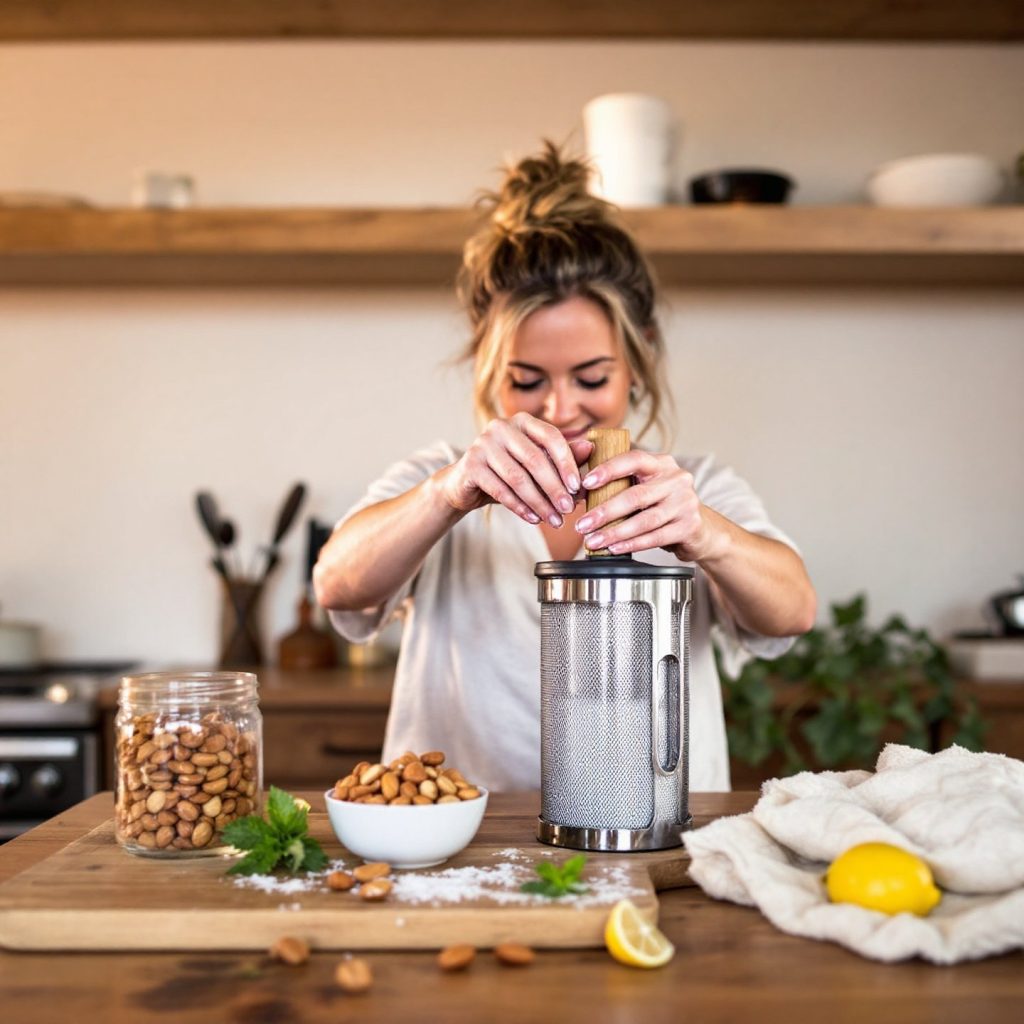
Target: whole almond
[[341, 792], [166, 818], [360, 768], [468, 793], [446, 786], [448, 798], [204, 760], [372, 774], [428, 788], [404, 801], [202, 833], [354, 975], [419, 799], [455, 958], [192, 739], [214, 744], [409, 789], [165, 739], [212, 807], [376, 890], [376, 798], [164, 835], [155, 802], [374, 869], [389, 785], [414, 772], [219, 785], [433, 757], [290, 949], [512, 954], [187, 811], [340, 881], [431, 772]]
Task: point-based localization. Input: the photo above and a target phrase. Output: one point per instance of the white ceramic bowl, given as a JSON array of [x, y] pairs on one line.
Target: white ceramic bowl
[[936, 179], [416, 836]]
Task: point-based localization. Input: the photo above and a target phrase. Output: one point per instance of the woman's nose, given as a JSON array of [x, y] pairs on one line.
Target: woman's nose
[[560, 406]]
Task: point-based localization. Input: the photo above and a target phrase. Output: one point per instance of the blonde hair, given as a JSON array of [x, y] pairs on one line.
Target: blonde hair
[[548, 239]]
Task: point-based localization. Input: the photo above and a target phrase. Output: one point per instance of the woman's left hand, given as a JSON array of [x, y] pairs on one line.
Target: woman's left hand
[[661, 509]]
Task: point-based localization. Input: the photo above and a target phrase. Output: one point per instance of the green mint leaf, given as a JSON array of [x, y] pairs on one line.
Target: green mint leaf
[[247, 833], [539, 887], [573, 868], [549, 872], [293, 855], [315, 859], [286, 817], [258, 861]]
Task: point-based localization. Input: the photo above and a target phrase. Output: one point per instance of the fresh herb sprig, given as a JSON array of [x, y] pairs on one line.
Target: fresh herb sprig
[[556, 881], [279, 841]]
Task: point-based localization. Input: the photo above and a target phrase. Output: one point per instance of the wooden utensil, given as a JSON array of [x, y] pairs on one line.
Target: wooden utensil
[[608, 442]]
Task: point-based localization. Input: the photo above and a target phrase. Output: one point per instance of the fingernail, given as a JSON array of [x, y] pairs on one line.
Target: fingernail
[[597, 541], [584, 524], [574, 484], [616, 549], [565, 504], [590, 480], [532, 517], [555, 520]]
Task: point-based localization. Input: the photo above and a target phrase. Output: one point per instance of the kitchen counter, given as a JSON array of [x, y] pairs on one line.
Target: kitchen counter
[[730, 965]]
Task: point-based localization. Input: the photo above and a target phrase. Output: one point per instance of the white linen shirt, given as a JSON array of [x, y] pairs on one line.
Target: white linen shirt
[[468, 675]]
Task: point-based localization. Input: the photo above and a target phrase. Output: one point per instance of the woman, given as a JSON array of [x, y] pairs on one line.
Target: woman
[[564, 339]]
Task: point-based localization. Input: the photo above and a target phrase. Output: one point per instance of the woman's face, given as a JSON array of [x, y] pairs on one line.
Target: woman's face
[[566, 368]]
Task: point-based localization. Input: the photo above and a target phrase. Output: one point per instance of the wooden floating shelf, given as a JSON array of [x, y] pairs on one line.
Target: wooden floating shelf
[[687, 244], [920, 20]]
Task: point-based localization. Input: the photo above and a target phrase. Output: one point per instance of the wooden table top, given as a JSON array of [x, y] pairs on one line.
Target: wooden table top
[[731, 965]]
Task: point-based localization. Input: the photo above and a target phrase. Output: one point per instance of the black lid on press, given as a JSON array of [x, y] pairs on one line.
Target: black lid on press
[[610, 568]]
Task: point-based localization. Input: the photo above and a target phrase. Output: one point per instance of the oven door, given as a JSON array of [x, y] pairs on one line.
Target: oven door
[[43, 773]]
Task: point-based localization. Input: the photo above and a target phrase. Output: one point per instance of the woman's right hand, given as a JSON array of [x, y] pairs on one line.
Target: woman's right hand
[[522, 463]]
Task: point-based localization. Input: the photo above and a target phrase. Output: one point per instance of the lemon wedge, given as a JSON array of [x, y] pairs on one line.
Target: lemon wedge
[[882, 877], [633, 940], [302, 804]]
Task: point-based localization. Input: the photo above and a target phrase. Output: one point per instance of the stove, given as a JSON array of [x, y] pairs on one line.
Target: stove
[[49, 740]]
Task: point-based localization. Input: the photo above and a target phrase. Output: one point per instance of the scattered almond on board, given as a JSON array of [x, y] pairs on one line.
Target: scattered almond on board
[[354, 975], [456, 958], [409, 779], [290, 949]]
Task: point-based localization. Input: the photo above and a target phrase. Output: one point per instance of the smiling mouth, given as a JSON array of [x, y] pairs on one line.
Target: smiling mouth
[[575, 435]]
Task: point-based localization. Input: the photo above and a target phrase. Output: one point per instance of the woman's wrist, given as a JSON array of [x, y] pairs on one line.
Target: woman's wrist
[[441, 508]]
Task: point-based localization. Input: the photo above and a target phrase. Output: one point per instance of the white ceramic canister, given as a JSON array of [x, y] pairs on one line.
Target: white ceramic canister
[[630, 139]]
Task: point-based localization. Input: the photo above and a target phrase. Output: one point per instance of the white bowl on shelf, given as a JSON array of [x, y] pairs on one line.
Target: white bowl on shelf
[[936, 179], [415, 836]]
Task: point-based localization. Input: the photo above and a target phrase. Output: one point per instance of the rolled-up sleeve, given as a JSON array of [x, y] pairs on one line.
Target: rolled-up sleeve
[[360, 626], [722, 489]]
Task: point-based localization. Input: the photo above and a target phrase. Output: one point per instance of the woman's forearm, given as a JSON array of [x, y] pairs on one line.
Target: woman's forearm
[[369, 557], [763, 581]]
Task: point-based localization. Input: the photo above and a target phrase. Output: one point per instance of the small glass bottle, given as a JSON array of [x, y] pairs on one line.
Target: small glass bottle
[[189, 760]]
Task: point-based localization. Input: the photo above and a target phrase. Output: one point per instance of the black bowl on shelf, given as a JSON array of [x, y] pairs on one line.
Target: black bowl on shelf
[[741, 186]]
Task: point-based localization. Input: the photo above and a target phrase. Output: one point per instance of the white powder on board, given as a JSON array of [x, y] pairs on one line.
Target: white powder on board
[[498, 883]]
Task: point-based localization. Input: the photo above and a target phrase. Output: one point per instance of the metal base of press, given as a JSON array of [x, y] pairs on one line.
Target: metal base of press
[[613, 840]]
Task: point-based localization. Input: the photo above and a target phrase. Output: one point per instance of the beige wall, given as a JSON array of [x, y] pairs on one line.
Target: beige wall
[[881, 426]]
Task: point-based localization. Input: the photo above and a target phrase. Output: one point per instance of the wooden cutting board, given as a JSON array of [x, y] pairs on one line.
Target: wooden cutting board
[[91, 895]]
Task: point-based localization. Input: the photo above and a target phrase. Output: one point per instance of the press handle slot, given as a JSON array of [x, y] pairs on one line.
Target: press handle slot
[[667, 715]]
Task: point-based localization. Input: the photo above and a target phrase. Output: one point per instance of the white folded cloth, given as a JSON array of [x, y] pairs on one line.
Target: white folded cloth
[[963, 813]]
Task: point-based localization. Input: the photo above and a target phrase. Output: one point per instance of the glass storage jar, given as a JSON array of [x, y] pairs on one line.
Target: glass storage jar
[[189, 759]]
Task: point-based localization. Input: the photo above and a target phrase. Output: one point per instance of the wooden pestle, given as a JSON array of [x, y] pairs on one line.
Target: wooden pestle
[[607, 442]]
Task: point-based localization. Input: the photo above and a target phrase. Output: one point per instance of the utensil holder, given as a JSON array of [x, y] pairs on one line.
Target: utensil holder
[[240, 638]]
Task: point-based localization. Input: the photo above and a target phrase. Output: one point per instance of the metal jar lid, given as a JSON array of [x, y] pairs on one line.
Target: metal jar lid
[[610, 568]]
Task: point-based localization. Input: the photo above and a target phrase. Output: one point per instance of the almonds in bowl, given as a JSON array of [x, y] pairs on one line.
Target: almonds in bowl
[[412, 813]]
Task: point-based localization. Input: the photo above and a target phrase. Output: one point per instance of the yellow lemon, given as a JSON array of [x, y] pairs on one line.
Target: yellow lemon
[[302, 804], [633, 940], [882, 877]]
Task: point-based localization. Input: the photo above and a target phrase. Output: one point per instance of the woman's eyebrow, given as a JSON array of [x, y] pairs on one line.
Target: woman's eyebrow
[[580, 366]]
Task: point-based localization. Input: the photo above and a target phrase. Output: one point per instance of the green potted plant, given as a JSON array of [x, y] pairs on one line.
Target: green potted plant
[[857, 684]]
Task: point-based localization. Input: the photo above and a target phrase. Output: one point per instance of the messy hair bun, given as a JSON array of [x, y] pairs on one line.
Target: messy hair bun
[[547, 238]]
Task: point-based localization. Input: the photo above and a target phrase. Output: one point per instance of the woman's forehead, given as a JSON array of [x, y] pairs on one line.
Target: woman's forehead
[[564, 334]]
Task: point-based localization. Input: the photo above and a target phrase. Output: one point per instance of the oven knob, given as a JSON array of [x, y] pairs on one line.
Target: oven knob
[[46, 780], [10, 780]]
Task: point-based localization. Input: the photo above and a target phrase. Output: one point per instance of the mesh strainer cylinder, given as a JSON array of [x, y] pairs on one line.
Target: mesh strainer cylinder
[[614, 702]]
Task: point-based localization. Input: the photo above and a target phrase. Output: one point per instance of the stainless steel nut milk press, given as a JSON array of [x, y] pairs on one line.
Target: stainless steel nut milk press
[[614, 675]]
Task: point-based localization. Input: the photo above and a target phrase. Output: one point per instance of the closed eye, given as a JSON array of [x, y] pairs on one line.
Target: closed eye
[[593, 385], [526, 385]]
